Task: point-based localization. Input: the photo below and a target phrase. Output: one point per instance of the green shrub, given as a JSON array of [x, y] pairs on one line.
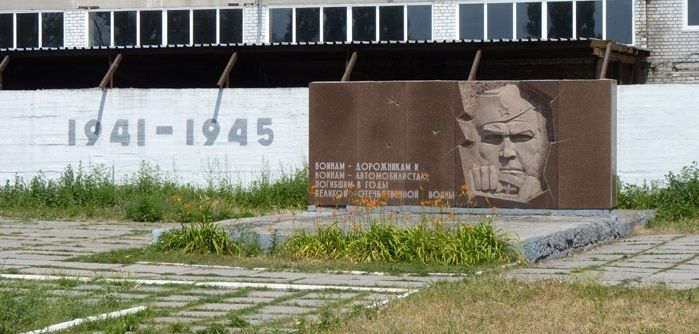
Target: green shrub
[[145, 208], [206, 238], [677, 200], [466, 245]]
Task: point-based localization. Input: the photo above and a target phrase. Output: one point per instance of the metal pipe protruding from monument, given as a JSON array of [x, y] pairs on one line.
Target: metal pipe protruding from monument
[[3, 65], [110, 73], [349, 67], [224, 80], [605, 62], [474, 66]]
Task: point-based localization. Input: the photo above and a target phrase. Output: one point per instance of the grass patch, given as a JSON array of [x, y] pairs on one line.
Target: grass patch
[[149, 195], [488, 305], [29, 305], [676, 200]]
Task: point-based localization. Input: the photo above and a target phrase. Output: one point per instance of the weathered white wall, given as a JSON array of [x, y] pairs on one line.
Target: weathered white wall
[[657, 130], [35, 131]]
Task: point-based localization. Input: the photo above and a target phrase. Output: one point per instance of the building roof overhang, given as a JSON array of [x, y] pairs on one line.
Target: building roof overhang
[[297, 64]]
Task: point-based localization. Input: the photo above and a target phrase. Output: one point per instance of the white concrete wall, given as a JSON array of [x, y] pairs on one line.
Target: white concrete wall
[[36, 131], [657, 130]]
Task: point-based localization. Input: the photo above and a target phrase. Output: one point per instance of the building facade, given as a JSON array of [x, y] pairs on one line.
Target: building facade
[[668, 28]]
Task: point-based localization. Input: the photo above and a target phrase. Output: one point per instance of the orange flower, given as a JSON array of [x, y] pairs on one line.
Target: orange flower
[[464, 188], [425, 177]]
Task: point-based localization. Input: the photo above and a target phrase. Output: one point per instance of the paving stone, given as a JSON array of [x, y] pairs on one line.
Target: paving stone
[[277, 309], [169, 304], [268, 294], [260, 318], [571, 264], [248, 300], [122, 295], [211, 292], [329, 295], [306, 302], [200, 314], [379, 297], [178, 298], [222, 307], [151, 289], [174, 320]]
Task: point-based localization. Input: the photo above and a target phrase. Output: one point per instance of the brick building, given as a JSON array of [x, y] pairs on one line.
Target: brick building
[[668, 28]]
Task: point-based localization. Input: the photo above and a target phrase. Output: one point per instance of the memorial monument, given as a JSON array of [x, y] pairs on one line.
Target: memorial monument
[[504, 144]]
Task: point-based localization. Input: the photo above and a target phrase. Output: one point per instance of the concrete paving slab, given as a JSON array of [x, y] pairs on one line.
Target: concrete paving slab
[[268, 294], [281, 309], [248, 300], [200, 314], [314, 303], [168, 304], [221, 307], [178, 298]]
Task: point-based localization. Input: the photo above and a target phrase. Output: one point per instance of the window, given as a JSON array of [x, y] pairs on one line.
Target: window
[[204, 26], [177, 27], [125, 28], [6, 31], [500, 21], [419, 23], [363, 23], [391, 20], [589, 18], [529, 20], [692, 12], [560, 19], [620, 21], [280, 25], [307, 24], [471, 21], [151, 22], [335, 24], [231, 26], [100, 25], [51, 30], [28, 30]]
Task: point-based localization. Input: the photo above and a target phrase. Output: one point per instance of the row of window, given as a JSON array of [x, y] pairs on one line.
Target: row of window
[[157, 27], [31, 30], [360, 23], [604, 19]]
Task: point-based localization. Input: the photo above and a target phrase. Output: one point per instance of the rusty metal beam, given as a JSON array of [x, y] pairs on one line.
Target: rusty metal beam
[[474, 66], [110, 72], [3, 65], [349, 67], [605, 63], [224, 80]]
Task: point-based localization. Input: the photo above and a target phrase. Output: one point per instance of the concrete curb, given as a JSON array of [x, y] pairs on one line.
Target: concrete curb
[[620, 224]]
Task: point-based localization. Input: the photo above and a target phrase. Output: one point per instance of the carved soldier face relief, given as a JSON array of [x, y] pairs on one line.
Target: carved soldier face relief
[[512, 144]]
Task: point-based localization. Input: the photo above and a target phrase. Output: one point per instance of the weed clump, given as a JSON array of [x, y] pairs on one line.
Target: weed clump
[[676, 202], [464, 245], [206, 238], [149, 195]]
